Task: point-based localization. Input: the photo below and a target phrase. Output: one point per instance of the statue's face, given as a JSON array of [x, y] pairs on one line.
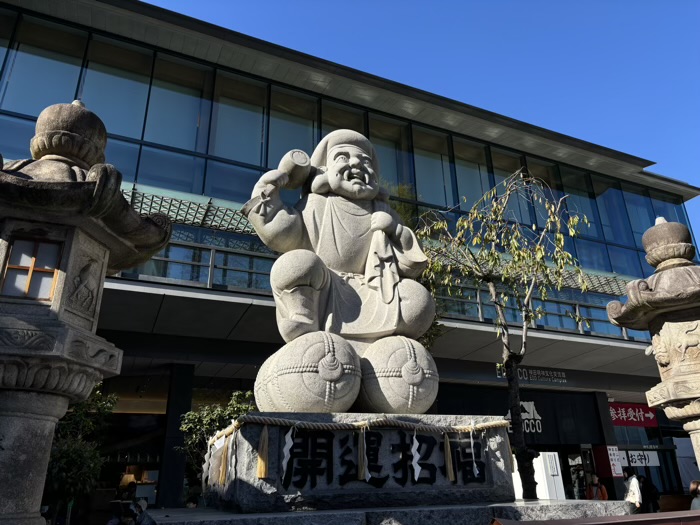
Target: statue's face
[[350, 173]]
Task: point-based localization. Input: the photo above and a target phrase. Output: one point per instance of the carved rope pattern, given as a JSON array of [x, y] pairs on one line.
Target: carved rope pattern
[[311, 367], [380, 422], [396, 372]]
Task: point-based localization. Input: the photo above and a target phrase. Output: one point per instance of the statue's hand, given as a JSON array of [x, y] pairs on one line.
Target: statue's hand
[[382, 221], [276, 178]]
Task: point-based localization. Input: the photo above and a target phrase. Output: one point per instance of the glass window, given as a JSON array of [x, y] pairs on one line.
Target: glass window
[[336, 116], [42, 51], [489, 310], [549, 175], [611, 206], [592, 255], [31, 269], [174, 171], [179, 105], [472, 172], [639, 210], [238, 119], [182, 263], [598, 322], [7, 24], [390, 140], [224, 278], [432, 164], [124, 156], [638, 335], [670, 207], [556, 315], [187, 254], [228, 182], [115, 85], [15, 135], [577, 185], [233, 261], [172, 270], [293, 124], [624, 261], [504, 165]]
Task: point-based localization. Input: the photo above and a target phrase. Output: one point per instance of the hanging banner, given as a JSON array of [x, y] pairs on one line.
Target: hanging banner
[[615, 462], [633, 415]]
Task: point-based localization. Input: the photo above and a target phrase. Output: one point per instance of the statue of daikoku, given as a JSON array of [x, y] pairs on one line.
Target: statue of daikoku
[[343, 287]]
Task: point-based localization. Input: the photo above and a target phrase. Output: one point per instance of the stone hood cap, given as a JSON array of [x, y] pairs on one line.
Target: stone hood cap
[[674, 286], [343, 136]]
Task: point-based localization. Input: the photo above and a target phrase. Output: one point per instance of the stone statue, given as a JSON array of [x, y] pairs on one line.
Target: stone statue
[[343, 287], [668, 305], [63, 219]]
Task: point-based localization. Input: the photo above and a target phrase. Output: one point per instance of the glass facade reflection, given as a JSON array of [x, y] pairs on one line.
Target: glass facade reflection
[[115, 85], [433, 171], [190, 127], [293, 124], [41, 50], [238, 119], [179, 104]]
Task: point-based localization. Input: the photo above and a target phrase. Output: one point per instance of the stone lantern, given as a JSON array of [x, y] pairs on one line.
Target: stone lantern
[[668, 305], [64, 225]]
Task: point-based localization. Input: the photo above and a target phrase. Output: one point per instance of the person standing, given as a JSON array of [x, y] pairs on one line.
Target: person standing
[[596, 490], [634, 493], [695, 493]]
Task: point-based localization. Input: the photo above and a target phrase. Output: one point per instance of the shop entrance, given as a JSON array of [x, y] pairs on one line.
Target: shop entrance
[[581, 468]]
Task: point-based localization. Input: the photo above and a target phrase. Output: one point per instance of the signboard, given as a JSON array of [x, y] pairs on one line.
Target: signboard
[[550, 418], [633, 415], [640, 458], [615, 462], [530, 375]]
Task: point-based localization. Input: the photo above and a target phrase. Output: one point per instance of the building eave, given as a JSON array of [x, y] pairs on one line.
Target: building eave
[[185, 35]]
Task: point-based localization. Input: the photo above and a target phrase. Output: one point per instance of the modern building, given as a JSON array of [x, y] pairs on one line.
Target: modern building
[[196, 113]]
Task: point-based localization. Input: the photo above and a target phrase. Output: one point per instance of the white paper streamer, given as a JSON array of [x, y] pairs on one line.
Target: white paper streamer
[[363, 436], [288, 442], [475, 469], [416, 457], [219, 442]]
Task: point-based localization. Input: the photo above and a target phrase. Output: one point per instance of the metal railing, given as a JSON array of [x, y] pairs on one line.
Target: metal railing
[[220, 268]]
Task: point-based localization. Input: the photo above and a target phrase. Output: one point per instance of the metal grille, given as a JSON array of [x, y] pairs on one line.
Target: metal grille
[[191, 210]]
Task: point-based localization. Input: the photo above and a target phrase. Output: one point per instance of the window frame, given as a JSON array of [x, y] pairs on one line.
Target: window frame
[[31, 269]]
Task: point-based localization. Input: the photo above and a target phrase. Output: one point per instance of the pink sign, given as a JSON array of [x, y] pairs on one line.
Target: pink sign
[[633, 415]]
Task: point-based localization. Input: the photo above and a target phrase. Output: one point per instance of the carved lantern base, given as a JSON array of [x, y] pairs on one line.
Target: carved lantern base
[[668, 305], [49, 353]]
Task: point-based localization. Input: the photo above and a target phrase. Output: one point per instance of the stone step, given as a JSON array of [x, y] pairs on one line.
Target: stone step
[[437, 515]]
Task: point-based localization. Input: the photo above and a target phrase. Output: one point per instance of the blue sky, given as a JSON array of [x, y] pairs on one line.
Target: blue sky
[[621, 73]]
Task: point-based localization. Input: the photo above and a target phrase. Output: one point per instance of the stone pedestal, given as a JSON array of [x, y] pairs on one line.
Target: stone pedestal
[[63, 226], [322, 468], [668, 305]]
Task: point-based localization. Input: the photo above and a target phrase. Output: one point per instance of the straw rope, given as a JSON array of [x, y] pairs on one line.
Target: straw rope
[[380, 422]]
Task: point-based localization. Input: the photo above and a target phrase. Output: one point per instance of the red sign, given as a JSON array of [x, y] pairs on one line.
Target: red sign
[[633, 415]]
